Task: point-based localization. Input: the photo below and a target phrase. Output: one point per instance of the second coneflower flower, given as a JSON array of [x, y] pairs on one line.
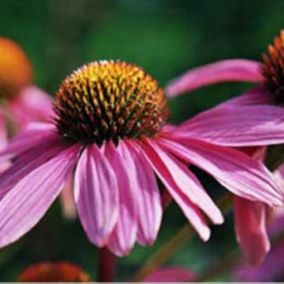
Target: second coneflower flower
[[111, 133], [255, 118]]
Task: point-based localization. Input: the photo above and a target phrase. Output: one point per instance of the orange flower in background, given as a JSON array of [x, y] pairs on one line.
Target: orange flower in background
[[21, 101], [54, 272], [15, 71]]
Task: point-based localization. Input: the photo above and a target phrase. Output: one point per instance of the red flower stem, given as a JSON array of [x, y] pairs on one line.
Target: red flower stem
[[106, 271]]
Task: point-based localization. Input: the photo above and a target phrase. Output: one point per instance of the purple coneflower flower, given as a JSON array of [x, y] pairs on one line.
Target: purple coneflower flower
[[252, 119], [111, 133]]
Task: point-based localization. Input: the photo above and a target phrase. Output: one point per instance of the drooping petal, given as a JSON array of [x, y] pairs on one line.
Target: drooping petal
[[190, 210], [250, 227], [236, 171], [148, 200], [221, 71], [124, 234], [34, 134], [96, 195], [187, 182], [26, 203], [31, 105], [238, 126], [171, 274]]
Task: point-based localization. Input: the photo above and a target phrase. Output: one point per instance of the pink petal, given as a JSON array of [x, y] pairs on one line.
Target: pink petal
[[29, 161], [32, 105], [236, 171], [96, 195], [26, 203], [250, 229], [190, 210], [67, 199], [188, 184], [33, 135], [171, 274], [279, 174], [124, 234], [221, 71], [148, 200], [238, 126]]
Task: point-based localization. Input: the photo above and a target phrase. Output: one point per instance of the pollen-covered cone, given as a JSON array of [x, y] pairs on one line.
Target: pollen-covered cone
[[111, 135]]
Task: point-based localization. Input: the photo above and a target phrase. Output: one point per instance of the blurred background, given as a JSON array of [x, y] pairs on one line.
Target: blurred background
[[165, 38]]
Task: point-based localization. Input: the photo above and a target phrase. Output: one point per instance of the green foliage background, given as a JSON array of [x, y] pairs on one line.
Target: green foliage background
[[164, 37]]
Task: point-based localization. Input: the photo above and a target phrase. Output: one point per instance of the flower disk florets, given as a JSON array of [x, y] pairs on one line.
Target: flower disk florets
[[273, 69], [109, 100]]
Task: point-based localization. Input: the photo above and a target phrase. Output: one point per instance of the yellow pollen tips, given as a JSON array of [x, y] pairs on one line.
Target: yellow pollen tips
[[109, 100], [15, 68], [54, 272], [273, 68]]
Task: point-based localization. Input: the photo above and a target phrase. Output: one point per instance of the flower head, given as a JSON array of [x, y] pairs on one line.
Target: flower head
[[272, 69], [110, 130], [54, 272]]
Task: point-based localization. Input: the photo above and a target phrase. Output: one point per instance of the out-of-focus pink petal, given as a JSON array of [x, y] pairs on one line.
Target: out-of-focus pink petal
[[148, 200], [236, 171], [26, 203], [33, 135], [32, 105], [124, 234], [250, 227], [96, 195], [67, 199], [189, 184], [279, 174], [171, 274], [221, 71], [190, 210], [3, 132], [270, 270], [238, 126]]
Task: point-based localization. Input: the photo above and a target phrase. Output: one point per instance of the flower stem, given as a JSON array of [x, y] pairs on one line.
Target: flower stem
[[106, 265]]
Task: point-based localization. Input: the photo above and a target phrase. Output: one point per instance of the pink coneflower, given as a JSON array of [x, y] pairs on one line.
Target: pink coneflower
[[54, 272], [110, 130], [252, 119]]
